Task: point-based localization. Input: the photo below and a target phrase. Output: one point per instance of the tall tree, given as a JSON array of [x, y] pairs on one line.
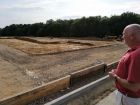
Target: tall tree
[[86, 26]]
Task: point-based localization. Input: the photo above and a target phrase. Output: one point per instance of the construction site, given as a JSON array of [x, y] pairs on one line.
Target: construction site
[[56, 71]]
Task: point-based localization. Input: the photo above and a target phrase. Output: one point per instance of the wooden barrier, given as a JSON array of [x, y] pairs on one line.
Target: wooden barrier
[[41, 91], [87, 73], [83, 75], [111, 66]]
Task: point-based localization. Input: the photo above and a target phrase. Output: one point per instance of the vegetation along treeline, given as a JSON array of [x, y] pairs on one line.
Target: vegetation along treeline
[[96, 26]]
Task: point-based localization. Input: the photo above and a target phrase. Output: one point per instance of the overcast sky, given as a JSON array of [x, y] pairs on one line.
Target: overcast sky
[[33, 11]]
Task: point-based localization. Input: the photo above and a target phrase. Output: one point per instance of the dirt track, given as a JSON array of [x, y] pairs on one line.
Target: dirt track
[[20, 72]]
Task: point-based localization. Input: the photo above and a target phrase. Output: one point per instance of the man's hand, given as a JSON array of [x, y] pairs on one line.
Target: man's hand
[[112, 74], [129, 85]]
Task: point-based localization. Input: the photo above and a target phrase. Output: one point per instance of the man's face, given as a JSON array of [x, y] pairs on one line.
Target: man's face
[[127, 37]]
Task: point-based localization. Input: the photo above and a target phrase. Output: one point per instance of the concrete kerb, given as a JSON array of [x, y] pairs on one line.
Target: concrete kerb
[[74, 95], [41, 91]]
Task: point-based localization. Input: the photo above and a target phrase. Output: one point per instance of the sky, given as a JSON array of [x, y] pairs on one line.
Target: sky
[[34, 11]]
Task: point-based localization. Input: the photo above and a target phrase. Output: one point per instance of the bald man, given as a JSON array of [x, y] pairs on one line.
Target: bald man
[[127, 74]]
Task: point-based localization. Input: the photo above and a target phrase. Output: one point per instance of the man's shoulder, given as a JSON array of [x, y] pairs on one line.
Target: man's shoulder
[[136, 53]]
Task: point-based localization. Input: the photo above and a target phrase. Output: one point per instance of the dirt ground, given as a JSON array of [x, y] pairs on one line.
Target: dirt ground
[[23, 66], [58, 46]]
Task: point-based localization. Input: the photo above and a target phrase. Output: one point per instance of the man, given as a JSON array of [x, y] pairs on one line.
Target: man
[[127, 74]]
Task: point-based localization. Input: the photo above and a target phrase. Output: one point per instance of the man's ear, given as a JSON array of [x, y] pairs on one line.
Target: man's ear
[[133, 37]]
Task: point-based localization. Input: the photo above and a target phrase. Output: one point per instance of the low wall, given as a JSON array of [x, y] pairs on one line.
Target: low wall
[[91, 72], [111, 66]]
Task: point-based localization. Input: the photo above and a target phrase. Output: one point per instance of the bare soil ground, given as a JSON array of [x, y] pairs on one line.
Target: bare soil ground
[[23, 66], [58, 46]]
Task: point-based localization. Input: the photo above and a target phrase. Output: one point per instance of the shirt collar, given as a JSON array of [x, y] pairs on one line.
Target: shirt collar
[[134, 48]]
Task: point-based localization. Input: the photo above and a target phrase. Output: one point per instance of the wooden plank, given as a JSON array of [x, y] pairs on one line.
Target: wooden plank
[[85, 74], [41, 91], [111, 66]]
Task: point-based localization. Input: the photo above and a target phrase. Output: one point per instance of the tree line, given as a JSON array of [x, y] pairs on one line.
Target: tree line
[[96, 26]]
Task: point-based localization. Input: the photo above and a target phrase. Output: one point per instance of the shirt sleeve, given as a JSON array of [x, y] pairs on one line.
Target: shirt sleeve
[[134, 69]]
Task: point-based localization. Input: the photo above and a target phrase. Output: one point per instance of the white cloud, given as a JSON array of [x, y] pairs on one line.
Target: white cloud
[[31, 11]]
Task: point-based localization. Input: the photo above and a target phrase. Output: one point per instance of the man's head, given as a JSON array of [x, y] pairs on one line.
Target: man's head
[[131, 35]]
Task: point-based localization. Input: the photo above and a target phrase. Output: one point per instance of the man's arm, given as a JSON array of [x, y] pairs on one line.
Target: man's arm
[[129, 85]]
